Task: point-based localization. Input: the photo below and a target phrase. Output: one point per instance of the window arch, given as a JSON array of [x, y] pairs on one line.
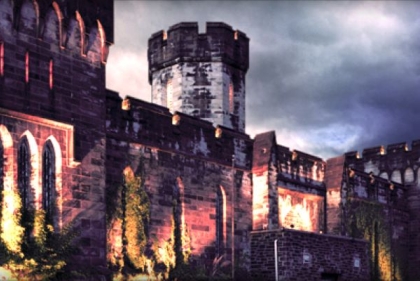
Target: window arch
[[24, 172], [48, 180], [220, 220], [409, 175], [396, 176]]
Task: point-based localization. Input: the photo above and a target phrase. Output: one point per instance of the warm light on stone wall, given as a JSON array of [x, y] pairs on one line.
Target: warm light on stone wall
[[299, 211]]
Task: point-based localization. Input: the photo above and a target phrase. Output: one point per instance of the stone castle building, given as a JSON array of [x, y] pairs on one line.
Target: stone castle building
[[67, 142]]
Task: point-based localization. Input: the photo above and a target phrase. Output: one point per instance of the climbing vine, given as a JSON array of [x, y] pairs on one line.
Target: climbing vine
[[128, 210], [368, 220]]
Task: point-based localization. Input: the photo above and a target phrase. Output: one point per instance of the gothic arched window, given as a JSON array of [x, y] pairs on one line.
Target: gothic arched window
[[24, 172], [48, 179]]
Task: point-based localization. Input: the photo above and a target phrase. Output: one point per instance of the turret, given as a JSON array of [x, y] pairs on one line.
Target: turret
[[202, 75]]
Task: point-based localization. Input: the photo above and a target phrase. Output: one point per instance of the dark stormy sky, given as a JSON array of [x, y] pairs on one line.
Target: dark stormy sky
[[328, 77]]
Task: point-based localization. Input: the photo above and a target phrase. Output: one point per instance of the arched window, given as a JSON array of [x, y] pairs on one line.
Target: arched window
[[48, 180], [396, 176], [408, 175], [24, 172], [220, 220]]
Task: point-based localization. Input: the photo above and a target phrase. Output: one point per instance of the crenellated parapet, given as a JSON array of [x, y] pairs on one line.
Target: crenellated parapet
[[52, 61], [299, 168], [135, 121], [396, 162], [183, 43], [366, 186], [82, 28]]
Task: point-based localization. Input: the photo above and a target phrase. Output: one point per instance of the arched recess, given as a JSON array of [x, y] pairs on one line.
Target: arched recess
[[104, 47], [384, 175], [6, 15], [408, 175], [53, 29], [29, 17], [220, 221], [28, 170], [53, 179], [396, 176], [75, 38], [93, 47], [7, 159], [96, 47]]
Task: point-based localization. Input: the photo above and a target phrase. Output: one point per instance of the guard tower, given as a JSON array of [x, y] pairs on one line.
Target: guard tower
[[202, 75]]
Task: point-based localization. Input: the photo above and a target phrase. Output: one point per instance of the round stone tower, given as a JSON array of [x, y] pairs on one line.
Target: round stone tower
[[202, 75]]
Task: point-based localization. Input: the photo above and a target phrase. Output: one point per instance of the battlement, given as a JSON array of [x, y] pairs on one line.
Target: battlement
[[78, 28], [388, 150], [183, 43], [397, 162], [300, 169], [367, 186], [137, 121]]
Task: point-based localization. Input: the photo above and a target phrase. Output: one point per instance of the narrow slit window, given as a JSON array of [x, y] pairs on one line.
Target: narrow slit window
[[231, 98], [1, 58], [220, 220], [27, 67], [48, 180], [51, 75], [169, 94]]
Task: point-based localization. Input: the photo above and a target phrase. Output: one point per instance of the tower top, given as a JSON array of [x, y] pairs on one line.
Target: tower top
[[90, 11], [183, 43]]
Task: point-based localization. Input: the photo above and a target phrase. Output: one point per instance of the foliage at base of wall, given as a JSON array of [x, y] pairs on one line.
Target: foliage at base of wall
[[30, 249], [369, 220]]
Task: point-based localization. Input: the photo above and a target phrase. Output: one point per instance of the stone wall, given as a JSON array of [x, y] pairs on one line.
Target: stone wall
[[52, 85], [308, 256], [190, 158]]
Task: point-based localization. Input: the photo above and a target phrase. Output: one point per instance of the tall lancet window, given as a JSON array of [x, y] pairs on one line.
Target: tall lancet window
[[48, 180], [169, 94], [1, 59], [220, 220], [51, 74], [24, 173], [27, 67]]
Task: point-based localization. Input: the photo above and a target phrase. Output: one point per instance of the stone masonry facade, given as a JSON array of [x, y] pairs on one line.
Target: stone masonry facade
[[237, 195]]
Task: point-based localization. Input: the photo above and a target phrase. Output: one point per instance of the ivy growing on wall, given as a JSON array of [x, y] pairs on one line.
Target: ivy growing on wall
[[369, 220], [128, 210]]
